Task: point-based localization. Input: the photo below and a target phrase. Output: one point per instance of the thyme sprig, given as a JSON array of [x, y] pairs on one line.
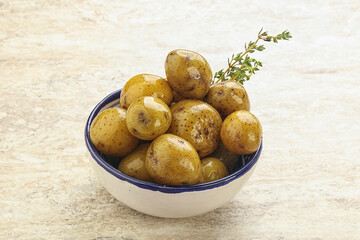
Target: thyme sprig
[[241, 66]]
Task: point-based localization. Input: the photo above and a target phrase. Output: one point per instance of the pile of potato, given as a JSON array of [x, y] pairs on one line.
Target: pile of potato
[[179, 130]]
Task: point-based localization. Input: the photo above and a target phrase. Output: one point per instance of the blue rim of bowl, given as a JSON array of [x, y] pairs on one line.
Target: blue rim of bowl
[[154, 186]]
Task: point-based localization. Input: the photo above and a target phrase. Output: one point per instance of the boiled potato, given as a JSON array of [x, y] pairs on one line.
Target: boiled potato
[[228, 97], [109, 133], [213, 169], [197, 122], [148, 117], [188, 73], [133, 164], [241, 132], [145, 85], [172, 160], [177, 97], [228, 158]]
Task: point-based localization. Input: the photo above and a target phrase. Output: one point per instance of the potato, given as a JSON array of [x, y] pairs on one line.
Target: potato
[[228, 158], [145, 85], [177, 97], [188, 73], [134, 163], [241, 132], [197, 122], [109, 133], [213, 169], [228, 97], [172, 160], [148, 117]]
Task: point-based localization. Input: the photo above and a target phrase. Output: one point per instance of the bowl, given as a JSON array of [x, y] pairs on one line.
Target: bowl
[[164, 200]]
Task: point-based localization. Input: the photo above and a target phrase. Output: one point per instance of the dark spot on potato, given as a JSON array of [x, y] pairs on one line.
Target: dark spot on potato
[[192, 88], [220, 92], [151, 154], [143, 119], [188, 57], [166, 115], [181, 141], [134, 130], [180, 109], [206, 131], [198, 135], [172, 53]]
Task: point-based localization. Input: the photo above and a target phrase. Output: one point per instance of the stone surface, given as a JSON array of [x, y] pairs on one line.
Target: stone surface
[[59, 58]]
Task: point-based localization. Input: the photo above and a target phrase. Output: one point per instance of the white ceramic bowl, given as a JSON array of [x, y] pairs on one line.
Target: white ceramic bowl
[[163, 200]]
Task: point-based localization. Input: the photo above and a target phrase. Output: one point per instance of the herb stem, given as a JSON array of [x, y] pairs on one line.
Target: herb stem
[[241, 56], [241, 66], [233, 77]]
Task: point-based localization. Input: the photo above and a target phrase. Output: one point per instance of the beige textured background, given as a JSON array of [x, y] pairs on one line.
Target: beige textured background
[[59, 58]]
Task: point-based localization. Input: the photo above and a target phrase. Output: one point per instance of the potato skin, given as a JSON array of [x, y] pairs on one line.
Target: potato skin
[[148, 118], [228, 158], [213, 169], [133, 164], [228, 97], [109, 133], [197, 122], [188, 73], [145, 85], [177, 97], [172, 160], [241, 132]]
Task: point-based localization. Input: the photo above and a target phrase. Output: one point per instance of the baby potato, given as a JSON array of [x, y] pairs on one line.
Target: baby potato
[[228, 158], [109, 133], [197, 122], [134, 163], [148, 117], [213, 169], [145, 85], [241, 132], [172, 160], [188, 73], [177, 97], [228, 97]]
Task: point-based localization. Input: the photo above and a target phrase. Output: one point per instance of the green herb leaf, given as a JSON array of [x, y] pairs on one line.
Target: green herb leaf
[[241, 66]]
